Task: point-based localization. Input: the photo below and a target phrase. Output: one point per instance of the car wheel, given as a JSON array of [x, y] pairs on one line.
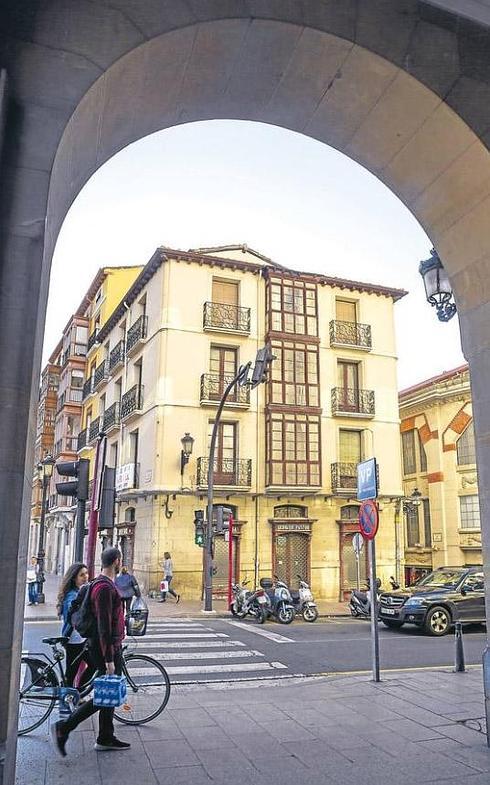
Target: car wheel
[[438, 621], [392, 625]]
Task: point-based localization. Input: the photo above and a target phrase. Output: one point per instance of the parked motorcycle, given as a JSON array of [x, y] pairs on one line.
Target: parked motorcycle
[[246, 602], [360, 602], [279, 601], [303, 601]]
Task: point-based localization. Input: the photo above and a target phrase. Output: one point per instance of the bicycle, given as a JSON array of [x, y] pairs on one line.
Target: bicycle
[[41, 688]]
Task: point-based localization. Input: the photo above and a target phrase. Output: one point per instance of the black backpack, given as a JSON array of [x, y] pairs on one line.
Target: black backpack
[[80, 615]]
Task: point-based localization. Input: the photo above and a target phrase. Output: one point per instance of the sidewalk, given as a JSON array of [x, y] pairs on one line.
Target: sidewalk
[[417, 726], [159, 610]]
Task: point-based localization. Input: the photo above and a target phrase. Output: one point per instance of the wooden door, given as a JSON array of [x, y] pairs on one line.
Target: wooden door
[[345, 311], [222, 368], [225, 292], [225, 454], [348, 382], [292, 557]]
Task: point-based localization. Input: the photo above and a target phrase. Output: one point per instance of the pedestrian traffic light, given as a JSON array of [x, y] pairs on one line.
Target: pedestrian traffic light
[[77, 488], [222, 519], [199, 528], [262, 361], [107, 507]]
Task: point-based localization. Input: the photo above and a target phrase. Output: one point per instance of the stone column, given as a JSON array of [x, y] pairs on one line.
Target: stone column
[[476, 347]]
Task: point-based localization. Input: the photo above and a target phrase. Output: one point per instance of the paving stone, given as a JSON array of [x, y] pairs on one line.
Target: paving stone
[[280, 764], [182, 775], [226, 759], [170, 753], [476, 757], [186, 718], [412, 730], [462, 734], [162, 730], [207, 738]]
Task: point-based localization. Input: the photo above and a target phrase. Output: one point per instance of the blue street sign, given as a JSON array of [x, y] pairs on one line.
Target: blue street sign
[[367, 480]]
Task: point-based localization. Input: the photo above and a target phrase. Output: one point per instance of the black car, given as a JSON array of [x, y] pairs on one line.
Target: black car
[[447, 595]]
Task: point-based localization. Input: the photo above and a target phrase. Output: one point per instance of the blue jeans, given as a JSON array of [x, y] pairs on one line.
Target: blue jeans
[[32, 591]]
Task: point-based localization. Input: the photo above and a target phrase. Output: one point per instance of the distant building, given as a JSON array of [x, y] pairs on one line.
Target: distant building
[[286, 453], [438, 456]]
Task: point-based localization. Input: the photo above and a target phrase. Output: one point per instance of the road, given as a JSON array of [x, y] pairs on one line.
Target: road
[[197, 650]]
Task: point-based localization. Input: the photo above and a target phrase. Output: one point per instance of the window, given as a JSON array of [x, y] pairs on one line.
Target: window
[[345, 311], [129, 515], [223, 361], [475, 582], [292, 306], [466, 446], [290, 511], [469, 507], [350, 512], [413, 530], [294, 374], [225, 292], [349, 446], [293, 448], [408, 452], [427, 523], [422, 454], [76, 379]]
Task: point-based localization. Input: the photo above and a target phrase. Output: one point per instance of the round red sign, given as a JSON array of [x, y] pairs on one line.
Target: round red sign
[[368, 519]]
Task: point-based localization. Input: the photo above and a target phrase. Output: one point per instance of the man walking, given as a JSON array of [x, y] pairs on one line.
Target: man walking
[[105, 653]]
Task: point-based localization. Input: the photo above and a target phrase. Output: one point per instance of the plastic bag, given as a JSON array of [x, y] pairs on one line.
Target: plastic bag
[[163, 585], [137, 618]]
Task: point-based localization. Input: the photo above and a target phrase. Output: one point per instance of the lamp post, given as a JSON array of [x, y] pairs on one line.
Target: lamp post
[[45, 472], [438, 289], [187, 443], [410, 504]]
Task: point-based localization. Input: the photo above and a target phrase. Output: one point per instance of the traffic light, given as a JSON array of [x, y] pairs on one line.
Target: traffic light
[[77, 488], [199, 528], [262, 361], [108, 499], [222, 519]]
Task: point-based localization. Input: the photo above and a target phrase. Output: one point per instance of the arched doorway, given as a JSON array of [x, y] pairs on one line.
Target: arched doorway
[[82, 86]]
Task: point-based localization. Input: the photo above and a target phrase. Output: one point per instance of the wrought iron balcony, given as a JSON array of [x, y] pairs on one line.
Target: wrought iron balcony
[[136, 333], [344, 477], [67, 444], [88, 388], [213, 387], [82, 440], [92, 339], [226, 472], [94, 429], [132, 401], [116, 357], [111, 418], [101, 374], [352, 401], [226, 318], [350, 334]]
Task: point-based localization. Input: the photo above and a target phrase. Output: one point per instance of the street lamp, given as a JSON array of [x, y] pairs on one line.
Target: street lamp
[[412, 502], [45, 472], [438, 290], [187, 443]]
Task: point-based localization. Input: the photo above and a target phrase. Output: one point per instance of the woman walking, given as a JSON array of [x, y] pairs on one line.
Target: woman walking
[[31, 580], [168, 572], [127, 586], [75, 577]]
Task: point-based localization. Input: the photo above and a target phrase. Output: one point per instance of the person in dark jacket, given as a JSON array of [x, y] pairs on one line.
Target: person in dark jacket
[[105, 653], [127, 586], [76, 650]]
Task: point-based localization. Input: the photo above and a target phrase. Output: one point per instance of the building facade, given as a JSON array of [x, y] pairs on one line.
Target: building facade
[[286, 452], [438, 457]]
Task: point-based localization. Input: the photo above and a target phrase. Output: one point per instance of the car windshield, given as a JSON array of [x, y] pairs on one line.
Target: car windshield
[[441, 578]]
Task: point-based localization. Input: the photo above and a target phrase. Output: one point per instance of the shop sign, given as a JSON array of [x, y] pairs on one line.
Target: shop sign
[[293, 527], [125, 476]]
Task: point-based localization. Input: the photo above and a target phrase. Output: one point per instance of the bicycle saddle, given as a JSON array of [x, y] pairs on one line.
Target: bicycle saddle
[[54, 641]]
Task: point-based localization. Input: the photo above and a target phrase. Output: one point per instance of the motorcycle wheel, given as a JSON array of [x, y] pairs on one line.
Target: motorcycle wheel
[[310, 614], [233, 609], [285, 615], [261, 616]]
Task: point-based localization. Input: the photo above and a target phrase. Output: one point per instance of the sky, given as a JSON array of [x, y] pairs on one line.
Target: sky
[[294, 199]]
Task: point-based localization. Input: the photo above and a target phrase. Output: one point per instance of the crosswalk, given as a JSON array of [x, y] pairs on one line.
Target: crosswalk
[[192, 651]]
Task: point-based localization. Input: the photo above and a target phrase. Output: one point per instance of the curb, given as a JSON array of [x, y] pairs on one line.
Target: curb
[[190, 615]]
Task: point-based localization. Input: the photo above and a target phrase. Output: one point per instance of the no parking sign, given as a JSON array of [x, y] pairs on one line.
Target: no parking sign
[[369, 519]]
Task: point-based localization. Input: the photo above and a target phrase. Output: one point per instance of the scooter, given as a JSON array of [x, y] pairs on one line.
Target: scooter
[[279, 601], [360, 602], [303, 601], [246, 602]]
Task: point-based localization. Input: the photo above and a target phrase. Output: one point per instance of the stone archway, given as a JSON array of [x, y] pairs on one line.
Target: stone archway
[[401, 86]]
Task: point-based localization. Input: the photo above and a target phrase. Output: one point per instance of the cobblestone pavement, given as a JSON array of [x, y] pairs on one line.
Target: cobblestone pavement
[[418, 726]]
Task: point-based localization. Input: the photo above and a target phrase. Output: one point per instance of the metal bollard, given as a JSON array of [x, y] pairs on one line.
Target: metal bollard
[[459, 666]]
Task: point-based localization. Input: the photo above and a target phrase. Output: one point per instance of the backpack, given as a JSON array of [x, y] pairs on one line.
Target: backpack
[[81, 616]]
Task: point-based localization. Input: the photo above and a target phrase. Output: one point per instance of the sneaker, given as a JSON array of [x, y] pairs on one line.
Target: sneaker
[[59, 738], [113, 744], [178, 599]]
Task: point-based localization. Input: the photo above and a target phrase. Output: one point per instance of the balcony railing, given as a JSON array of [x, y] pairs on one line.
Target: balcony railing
[[71, 395], [132, 401], [101, 374], [73, 350], [94, 429], [136, 333], [88, 388], [229, 318], [92, 339], [213, 387], [226, 472], [344, 476], [351, 400], [66, 444], [82, 440], [116, 356], [350, 334], [111, 417]]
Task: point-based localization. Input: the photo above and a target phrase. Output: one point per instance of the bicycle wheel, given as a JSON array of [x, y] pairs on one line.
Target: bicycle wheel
[[37, 696], [148, 690]]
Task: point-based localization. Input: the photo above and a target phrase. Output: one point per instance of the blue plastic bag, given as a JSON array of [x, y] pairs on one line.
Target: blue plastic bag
[[109, 691]]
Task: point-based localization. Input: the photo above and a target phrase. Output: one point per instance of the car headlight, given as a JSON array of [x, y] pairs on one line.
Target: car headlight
[[413, 601]]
